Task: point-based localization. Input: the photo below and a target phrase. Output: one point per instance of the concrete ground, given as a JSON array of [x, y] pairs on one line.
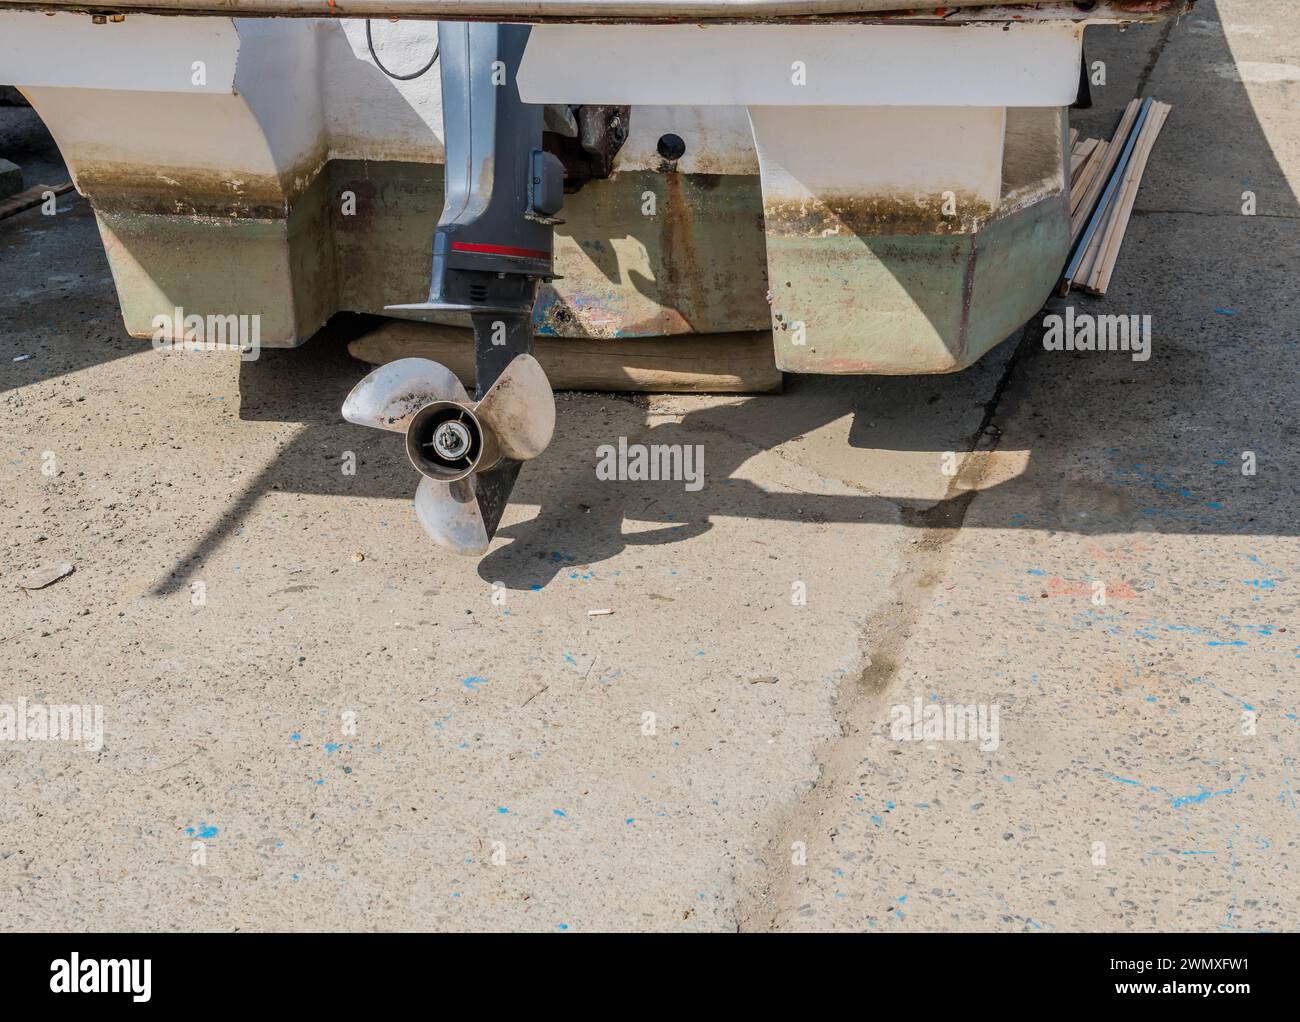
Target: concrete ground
[[314, 718]]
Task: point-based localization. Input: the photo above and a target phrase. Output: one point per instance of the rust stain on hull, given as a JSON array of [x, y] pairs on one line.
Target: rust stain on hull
[[843, 216]]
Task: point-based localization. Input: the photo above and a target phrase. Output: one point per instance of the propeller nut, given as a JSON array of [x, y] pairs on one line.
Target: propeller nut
[[445, 441], [451, 440]]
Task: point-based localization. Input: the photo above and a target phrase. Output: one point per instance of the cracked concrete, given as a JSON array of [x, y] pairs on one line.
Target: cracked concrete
[[314, 719], [1146, 769]]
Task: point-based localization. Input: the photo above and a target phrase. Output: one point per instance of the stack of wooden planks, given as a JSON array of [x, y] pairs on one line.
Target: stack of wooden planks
[[1104, 179]]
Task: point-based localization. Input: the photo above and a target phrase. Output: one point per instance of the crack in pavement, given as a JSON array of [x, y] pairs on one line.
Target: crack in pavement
[[884, 640], [885, 637], [1202, 212], [886, 634], [1157, 51]]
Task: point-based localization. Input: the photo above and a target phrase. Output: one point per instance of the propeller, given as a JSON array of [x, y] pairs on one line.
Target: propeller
[[468, 452]]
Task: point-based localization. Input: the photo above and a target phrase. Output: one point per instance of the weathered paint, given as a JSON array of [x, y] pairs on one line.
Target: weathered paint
[[878, 170], [693, 265], [248, 217], [926, 299], [697, 265]]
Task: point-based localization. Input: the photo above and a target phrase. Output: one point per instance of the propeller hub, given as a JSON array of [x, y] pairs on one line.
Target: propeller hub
[[451, 440], [445, 441]]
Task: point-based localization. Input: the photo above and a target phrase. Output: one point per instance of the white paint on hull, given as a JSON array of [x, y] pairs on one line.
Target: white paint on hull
[[309, 86], [880, 151], [141, 54], [842, 65], [720, 140]]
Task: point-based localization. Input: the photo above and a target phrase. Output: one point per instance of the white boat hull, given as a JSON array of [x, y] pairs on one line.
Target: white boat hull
[[904, 218]]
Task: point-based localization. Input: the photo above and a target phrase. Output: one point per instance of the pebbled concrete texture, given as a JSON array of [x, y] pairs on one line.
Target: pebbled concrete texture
[[313, 719]]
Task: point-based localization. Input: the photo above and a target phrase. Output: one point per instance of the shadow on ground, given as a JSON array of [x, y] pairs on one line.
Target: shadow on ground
[[1123, 493]]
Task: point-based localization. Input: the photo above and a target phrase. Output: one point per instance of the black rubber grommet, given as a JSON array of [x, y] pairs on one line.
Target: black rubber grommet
[[671, 147]]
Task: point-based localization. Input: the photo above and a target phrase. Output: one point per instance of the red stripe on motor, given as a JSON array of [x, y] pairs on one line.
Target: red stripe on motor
[[505, 250]]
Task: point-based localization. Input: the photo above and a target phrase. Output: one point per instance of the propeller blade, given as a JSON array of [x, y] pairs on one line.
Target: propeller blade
[[450, 514], [388, 396], [519, 409]]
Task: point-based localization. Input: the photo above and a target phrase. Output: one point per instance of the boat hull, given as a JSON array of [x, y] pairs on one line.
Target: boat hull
[[268, 168]]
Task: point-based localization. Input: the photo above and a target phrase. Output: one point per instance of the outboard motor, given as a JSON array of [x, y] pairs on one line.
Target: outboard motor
[[493, 244]]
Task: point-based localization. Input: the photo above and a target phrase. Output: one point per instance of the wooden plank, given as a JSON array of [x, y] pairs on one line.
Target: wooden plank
[[1080, 154], [1095, 221], [1097, 181], [1074, 134], [1126, 211], [33, 196], [732, 363], [1098, 278], [1092, 258], [1079, 222], [1086, 174], [1089, 259], [1094, 247], [1080, 180]]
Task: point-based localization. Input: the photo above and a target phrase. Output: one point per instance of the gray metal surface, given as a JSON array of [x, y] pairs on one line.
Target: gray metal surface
[[450, 514], [519, 410], [389, 396]]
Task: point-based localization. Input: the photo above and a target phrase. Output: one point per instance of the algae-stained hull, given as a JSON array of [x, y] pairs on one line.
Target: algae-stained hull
[[268, 167], [899, 284]]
